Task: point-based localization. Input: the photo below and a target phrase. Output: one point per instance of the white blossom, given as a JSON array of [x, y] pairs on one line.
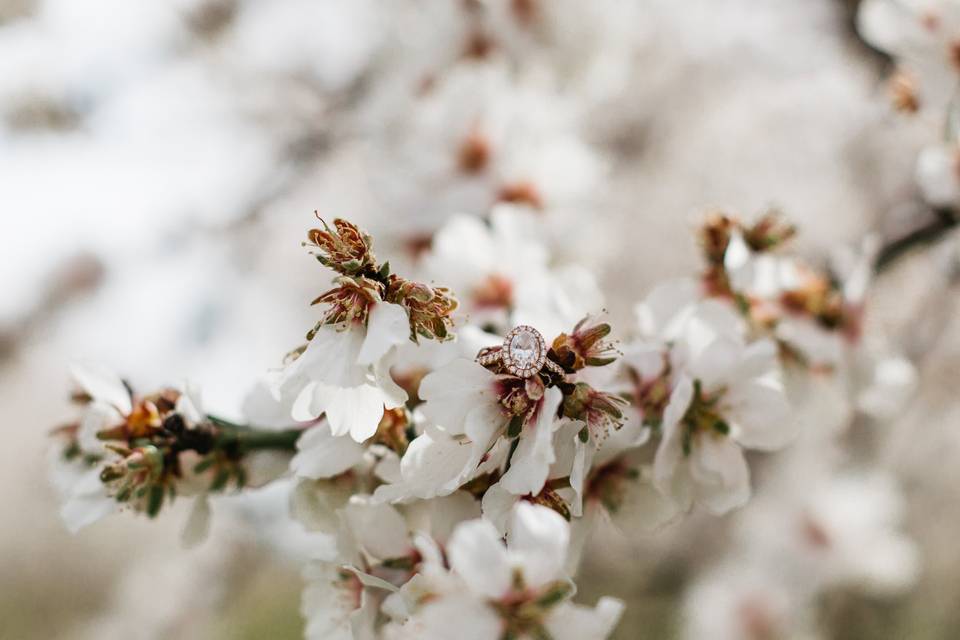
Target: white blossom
[[344, 373], [469, 407], [502, 274], [519, 587]]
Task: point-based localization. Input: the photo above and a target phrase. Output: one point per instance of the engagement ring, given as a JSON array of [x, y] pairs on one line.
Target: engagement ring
[[523, 353]]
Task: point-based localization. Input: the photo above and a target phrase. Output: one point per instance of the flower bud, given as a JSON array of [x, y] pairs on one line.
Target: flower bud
[[585, 347], [429, 308], [345, 248]]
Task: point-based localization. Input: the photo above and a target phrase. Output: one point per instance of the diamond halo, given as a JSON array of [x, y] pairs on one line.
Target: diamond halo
[[524, 351]]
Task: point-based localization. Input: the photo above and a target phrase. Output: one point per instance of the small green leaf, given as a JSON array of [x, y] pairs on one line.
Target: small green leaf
[[220, 480], [515, 426], [155, 501], [203, 465]]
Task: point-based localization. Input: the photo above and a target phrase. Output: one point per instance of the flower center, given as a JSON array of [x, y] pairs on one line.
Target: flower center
[[495, 292], [703, 416]]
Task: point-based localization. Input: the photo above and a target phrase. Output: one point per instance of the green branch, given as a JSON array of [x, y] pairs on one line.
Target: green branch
[[243, 438]]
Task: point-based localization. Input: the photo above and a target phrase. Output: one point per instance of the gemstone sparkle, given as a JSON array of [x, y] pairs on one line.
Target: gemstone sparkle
[[524, 351]]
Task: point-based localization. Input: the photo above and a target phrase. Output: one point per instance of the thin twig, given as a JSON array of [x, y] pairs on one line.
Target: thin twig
[[943, 221]]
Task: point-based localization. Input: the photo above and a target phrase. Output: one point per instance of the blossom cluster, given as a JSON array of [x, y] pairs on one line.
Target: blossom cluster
[[452, 492], [417, 443], [923, 40]]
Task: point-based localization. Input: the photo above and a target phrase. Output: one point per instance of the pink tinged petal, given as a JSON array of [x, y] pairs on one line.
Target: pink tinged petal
[[760, 416], [388, 326], [477, 554], [576, 622], [379, 529], [538, 542], [353, 410], [320, 454], [452, 391], [721, 473], [103, 385], [533, 456]]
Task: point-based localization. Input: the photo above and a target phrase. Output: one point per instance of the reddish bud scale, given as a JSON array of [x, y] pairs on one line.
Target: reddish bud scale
[[429, 308], [344, 248]]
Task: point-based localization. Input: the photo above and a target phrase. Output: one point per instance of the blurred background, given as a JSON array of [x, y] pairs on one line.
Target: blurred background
[[160, 162]]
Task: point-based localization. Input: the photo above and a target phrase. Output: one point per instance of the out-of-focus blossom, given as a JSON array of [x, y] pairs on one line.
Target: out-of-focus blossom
[[501, 274], [921, 35], [464, 152], [738, 602], [519, 588], [839, 531], [724, 395]]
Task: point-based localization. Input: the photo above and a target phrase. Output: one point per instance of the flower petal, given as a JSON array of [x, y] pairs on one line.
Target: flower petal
[[198, 523], [431, 466], [451, 392], [720, 470], [477, 554], [532, 458], [387, 327], [497, 506], [538, 540], [320, 454], [102, 384], [379, 529], [760, 416], [353, 410], [575, 622]]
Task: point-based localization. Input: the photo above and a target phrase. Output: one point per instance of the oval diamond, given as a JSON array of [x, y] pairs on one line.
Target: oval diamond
[[524, 349]]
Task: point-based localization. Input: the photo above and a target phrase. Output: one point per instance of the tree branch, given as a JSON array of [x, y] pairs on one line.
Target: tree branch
[[943, 221]]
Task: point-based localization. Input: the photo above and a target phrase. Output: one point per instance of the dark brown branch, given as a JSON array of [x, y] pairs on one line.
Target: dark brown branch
[[942, 222]]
